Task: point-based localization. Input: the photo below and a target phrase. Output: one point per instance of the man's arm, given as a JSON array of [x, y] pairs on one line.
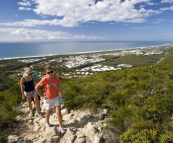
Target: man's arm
[[37, 88], [60, 90]]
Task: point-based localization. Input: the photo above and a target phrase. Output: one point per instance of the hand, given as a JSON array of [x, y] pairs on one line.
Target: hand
[[43, 97], [23, 97], [63, 98]]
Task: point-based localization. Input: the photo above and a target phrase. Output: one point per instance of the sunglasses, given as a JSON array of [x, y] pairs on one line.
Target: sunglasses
[[29, 73], [50, 72]]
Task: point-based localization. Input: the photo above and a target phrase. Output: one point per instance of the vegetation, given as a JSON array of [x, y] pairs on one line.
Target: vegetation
[[139, 100]]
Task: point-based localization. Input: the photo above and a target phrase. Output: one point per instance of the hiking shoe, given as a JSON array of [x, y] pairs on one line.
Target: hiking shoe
[[30, 113], [33, 109], [61, 130], [48, 125]]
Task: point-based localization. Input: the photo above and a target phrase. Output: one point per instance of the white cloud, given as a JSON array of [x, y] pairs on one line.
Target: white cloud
[[10, 34], [144, 27], [166, 8], [166, 1], [161, 20], [24, 8], [24, 3], [72, 13], [151, 3]]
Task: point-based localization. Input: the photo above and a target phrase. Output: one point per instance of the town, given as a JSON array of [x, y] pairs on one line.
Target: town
[[92, 61]]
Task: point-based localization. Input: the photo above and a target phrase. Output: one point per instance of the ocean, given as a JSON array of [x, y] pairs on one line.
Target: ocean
[[10, 50]]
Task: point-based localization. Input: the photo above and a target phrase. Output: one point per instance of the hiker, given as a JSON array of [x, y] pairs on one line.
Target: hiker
[[36, 80], [52, 88], [28, 91]]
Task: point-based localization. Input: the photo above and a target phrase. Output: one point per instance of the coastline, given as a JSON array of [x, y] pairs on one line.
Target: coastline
[[78, 53]]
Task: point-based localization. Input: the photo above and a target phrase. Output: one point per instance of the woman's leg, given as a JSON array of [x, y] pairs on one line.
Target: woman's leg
[[37, 103], [29, 103]]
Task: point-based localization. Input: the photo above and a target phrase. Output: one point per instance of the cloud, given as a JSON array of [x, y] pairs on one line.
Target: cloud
[[166, 8], [161, 20], [151, 3], [10, 34], [24, 3], [144, 27], [24, 8], [166, 1], [72, 13]]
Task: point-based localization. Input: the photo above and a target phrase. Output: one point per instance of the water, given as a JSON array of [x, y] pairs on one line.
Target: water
[[26, 49]]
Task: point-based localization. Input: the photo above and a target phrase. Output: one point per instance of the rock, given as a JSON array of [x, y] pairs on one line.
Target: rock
[[69, 132], [43, 140], [67, 117], [30, 137], [87, 116], [83, 120], [56, 139], [80, 126], [50, 131], [98, 138], [69, 139], [102, 117], [13, 139], [80, 140], [64, 111]]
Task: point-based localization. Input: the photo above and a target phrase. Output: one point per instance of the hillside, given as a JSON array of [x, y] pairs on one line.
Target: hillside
[[138, 100]]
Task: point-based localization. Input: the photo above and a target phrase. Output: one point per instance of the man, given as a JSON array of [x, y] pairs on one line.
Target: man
[[52, 88], [36, 80]]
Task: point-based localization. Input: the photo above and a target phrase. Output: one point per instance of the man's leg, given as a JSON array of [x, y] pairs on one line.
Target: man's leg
[[39, 102], [48, 112], [59, 115]]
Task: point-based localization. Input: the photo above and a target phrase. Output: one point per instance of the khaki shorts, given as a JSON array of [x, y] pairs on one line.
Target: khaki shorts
[[30, 94], [49, 103]]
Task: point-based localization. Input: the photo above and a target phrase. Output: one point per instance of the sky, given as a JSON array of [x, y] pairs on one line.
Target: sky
[[91, 20]]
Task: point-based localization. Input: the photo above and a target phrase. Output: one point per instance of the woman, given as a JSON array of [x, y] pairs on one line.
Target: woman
[[36, 80], [52, 87], [29, 92]]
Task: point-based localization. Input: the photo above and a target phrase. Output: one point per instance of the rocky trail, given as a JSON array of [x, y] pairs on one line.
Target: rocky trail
[[80, 127]]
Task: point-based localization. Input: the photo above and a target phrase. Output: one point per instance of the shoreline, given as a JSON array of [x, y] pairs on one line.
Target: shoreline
[[101, 51]]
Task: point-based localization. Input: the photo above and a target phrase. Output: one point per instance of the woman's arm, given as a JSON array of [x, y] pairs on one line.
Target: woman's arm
[[22, 87]]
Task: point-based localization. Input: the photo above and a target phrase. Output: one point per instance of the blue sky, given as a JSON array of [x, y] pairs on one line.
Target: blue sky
[[105, 20]]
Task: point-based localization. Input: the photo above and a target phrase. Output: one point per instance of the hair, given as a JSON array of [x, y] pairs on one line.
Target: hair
[[27, 66], [27, 69], [48, 68]]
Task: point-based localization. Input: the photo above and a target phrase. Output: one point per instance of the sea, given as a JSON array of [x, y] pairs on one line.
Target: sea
[[11, 50]]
